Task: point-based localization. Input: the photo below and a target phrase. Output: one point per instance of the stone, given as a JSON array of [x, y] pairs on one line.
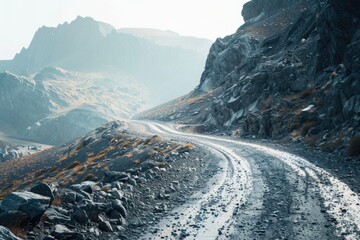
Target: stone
[[81, 216], [44, 190], [49, 237], [132, 182], [117, 194], [111, 176], [57, 215], [6, 234], [63, 233], [105, 226], [70, 197], [32, 204], [118, 206]]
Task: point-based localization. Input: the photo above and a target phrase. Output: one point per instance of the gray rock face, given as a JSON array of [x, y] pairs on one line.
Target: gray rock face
[[267, 72], [32, 204], [6, 234]]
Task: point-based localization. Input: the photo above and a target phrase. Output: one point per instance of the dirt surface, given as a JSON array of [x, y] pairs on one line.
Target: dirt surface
[[276, 195]]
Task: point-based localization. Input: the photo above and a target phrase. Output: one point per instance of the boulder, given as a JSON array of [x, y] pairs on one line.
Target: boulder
[[105, 226], [57, 215], [6, 234], [118, 206], [44, 190], [32, 204], [81, 216], [112, 176], [63, 233]]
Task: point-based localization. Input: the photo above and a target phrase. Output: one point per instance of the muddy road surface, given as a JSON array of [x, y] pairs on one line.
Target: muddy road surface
[[260, 193]]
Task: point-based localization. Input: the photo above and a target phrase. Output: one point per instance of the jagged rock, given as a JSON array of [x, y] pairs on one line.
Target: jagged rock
[[70, 197], [57, 215], [111, 176], [117, 194], [43, 189], [105, 226], [63, 233], [81, 216], [6, 234], [32, 204], [132, 182], [118, 206]]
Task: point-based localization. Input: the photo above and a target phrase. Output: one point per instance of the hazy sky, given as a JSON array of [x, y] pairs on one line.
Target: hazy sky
[[19, 19]]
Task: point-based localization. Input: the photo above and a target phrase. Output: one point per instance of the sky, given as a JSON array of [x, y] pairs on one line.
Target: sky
[[19, 19]]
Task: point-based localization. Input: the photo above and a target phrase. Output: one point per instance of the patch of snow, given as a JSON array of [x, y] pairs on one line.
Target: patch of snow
[[308, 108]]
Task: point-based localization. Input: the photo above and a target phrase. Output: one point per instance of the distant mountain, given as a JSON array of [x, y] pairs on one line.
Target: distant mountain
[[168, 69], [170, 38], [56, 105]]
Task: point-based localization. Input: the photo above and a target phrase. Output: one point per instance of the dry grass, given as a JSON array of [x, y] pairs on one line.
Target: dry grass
[[74, 164], [308, 92], [89, 176], [307, 126], [311, 141], [188, 146], [354, 147], [125, 144], [57, 201], [18, 231], [106, 188]]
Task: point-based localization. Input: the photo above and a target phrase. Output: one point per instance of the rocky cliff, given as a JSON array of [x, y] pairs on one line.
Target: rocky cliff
[[290, 72]]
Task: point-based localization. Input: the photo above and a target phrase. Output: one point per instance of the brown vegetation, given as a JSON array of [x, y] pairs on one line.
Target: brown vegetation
[[307, 126], [354, 147]]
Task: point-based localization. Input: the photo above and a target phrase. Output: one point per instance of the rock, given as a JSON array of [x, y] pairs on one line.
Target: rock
[[63, 233], [44, 190], [70, 197], [118, 206], [84, 186], [81, 216], [32, 204], [117, 194], [149, 164], [123, 237], [105, 226], [111, 176], [6, 234], [299, 85], [132, 182], [57, 215], [13, 218], [49, 237]]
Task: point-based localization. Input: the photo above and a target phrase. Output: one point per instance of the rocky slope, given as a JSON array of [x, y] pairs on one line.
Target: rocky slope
[[55, 105], [290, 72], [109, 184]]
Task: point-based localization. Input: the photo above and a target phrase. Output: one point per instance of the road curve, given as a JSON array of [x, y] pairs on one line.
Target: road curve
[[260, 193]]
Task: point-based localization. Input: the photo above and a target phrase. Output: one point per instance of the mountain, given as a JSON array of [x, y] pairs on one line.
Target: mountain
[[170, 38], [291, 72], [87, 45], [57, 105], [75, 77]]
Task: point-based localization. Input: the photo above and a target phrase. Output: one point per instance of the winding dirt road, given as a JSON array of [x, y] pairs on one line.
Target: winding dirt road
[[260, 193]]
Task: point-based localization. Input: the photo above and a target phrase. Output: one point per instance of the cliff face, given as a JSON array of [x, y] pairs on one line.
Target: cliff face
[[290, 72], [291, 69]]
